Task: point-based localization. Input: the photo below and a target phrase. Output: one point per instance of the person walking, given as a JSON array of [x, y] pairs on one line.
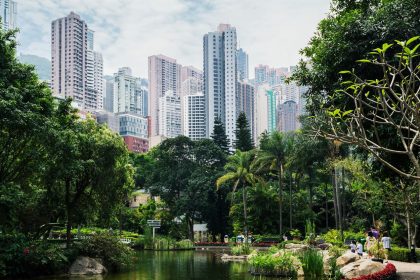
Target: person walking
[[370, 242], [386, 242]]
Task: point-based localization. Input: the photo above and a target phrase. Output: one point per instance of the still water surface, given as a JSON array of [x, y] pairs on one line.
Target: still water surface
[[196, 265]]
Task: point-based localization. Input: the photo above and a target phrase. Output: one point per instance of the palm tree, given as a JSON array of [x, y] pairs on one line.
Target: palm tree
[[239, 171], [272, 157]]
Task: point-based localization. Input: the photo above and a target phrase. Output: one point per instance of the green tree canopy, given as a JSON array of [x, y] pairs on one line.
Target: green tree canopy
[[243, 141], [219, 136]]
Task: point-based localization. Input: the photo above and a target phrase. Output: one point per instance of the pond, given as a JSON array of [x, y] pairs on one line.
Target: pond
[[173, 265]]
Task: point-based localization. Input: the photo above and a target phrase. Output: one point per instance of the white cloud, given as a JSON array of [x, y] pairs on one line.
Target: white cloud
[[128, 31]]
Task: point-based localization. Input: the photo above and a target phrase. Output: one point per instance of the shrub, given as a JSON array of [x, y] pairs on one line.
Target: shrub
[[273, 250], [273, 265], [336, 251], [115, 255], [310, 235], [185, 244], [20, 256], [401, 254], [388, 273], [312, 264], [239, 250], [295, 233], [333, 236]]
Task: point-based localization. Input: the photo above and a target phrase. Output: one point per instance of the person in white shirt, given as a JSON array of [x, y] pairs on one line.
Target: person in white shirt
[[353, 246], [359, 248], [386, 242]]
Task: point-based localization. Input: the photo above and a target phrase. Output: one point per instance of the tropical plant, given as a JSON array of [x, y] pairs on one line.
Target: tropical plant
[[281, 264], [272, 157], [312, 264], [241, 249], [239, 171], [295, 233]]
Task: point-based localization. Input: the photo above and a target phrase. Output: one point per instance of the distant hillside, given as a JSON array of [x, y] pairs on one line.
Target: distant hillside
[[42, 65]]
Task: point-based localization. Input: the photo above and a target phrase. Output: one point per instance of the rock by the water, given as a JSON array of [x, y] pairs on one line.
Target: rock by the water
[[347, 258], [226, 258], [295, 247], [360, 267], [326, 258], [86, 266]]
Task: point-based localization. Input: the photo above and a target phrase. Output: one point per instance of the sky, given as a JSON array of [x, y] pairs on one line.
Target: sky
[[128, 31]]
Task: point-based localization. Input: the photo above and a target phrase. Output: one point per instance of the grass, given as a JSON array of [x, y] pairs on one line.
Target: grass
[[239, 250], [273, 265], [312, 264]]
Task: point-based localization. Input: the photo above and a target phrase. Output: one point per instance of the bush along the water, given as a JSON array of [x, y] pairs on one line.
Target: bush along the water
[[280, 265], [312, 264], [115, 255], [388, 273], [21, 257], [241, 249]]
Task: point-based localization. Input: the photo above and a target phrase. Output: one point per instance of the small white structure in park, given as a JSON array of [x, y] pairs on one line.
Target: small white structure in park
[[200, 232]]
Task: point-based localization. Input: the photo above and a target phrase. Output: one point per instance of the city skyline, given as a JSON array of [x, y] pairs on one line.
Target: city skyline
[[269, 35]]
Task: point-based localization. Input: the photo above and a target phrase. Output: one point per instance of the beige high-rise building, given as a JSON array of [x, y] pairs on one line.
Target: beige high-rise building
[[77, 70], [68, 58], [164, 75]]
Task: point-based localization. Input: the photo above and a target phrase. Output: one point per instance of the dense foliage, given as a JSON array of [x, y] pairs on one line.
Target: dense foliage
[[56, 170]]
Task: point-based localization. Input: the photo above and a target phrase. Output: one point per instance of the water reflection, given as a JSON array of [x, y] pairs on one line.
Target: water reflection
[[196, 265]]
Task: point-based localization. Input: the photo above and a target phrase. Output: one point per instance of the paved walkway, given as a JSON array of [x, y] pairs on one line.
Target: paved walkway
[[407, 271]]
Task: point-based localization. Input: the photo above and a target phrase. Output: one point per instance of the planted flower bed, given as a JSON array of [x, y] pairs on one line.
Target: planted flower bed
[[388, 273]]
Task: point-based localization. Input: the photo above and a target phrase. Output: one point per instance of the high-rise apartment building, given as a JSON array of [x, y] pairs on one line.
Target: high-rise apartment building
[[220, 79], [191, 72], [164, 75], [247, 103], [261, 74], [266, 103], [242, 63], [192, 82], [272, 76], [77, 69], [288, 116], [194, 116], [170, 115], [108, 94], [288, 92], [129, 94], [8, 14]]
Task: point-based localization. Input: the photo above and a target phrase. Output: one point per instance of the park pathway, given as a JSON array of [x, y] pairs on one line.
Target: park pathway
[[407, 271]]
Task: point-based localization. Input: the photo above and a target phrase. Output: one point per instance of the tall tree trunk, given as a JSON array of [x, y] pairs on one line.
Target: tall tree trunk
[[68, 213], [339, 210], [281, 200], [326, 207], [311, 191], [408, 218], [334, 198], [245, 215], [290, 203]]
